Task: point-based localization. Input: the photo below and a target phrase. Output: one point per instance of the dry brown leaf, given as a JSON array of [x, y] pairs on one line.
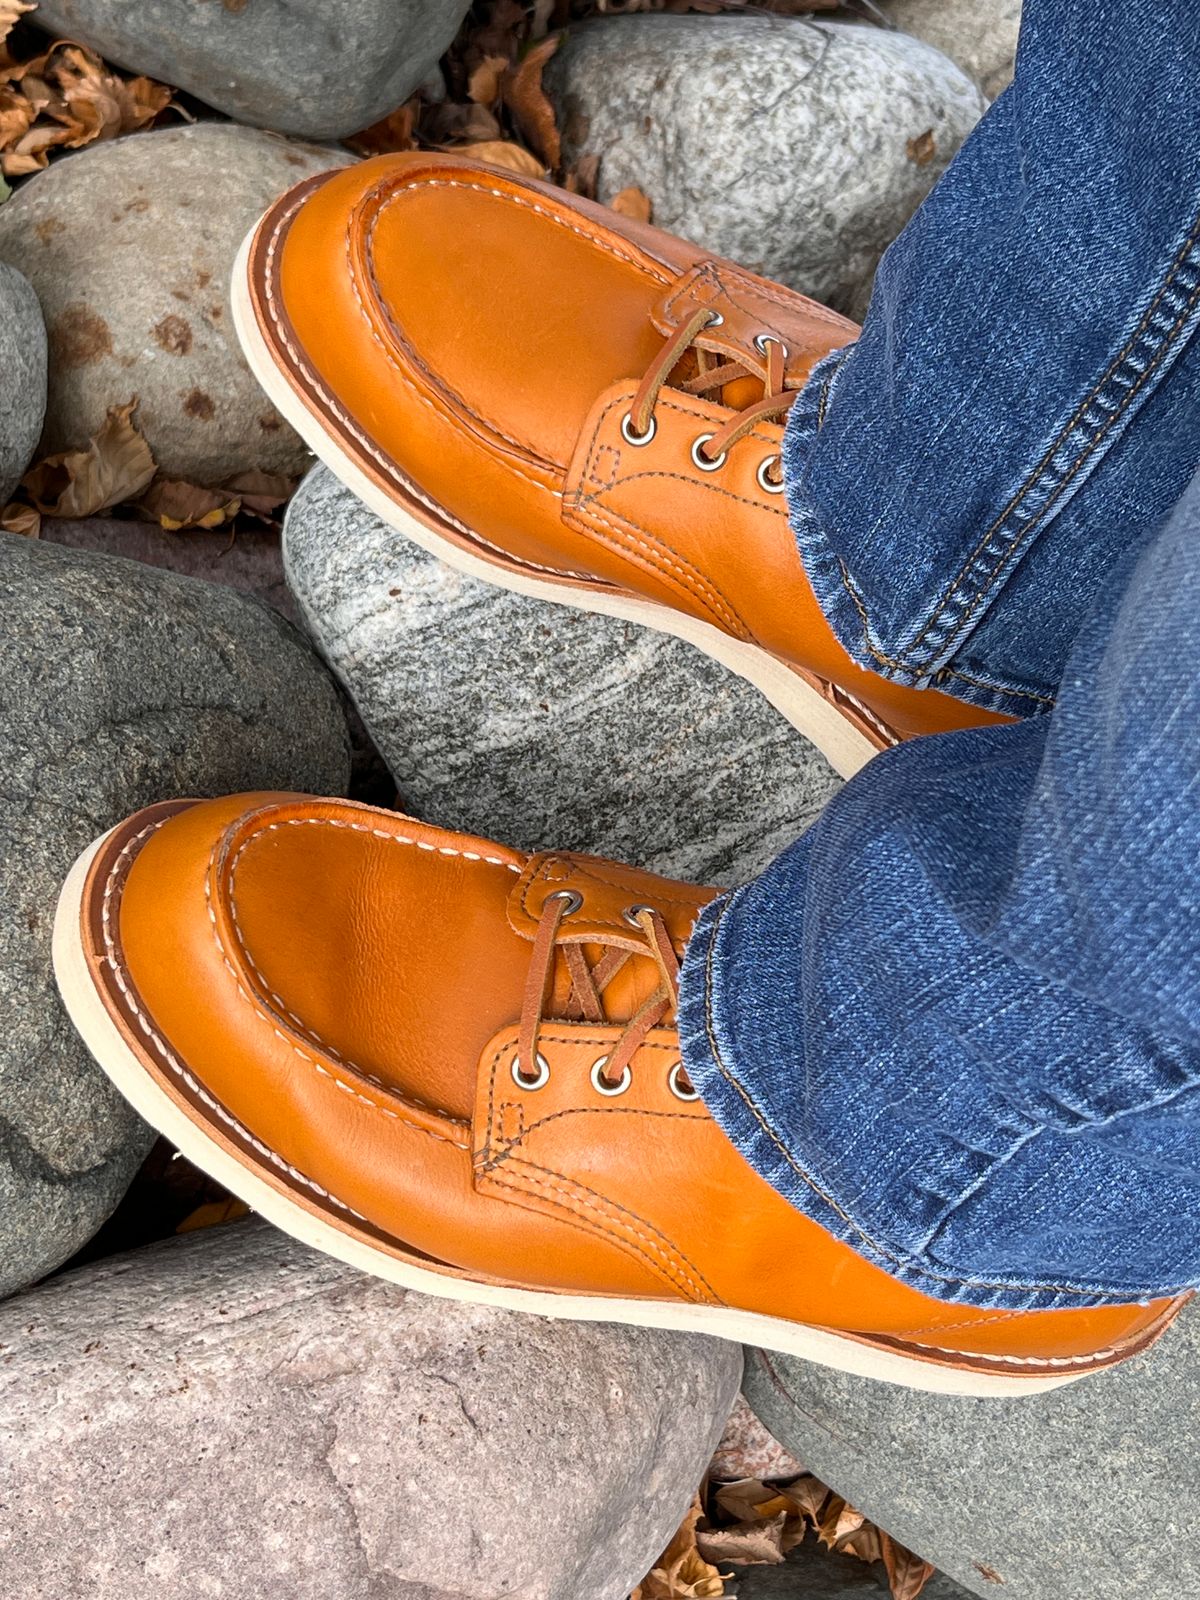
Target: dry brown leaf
[[11, 11], [582, 177], [513, 157], [483, 86], [757, 1543], [907, 1573], [681, 1572], [530, 104], [262, 492], [632, 203], [396, 131], [68, 97], [923, 148], [174, 504], [113, 467], [22, 519]]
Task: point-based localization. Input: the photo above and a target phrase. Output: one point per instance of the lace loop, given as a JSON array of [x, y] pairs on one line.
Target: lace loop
[[588, 983], [767, 361]]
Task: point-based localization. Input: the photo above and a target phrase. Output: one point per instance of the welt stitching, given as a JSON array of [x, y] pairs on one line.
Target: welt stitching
[[330, 402], [523, 1188], [167, 1056], [905, 1263], [1041, 471], [653, 1238]]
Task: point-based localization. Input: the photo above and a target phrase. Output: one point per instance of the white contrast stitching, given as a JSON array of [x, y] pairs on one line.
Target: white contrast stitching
[[306, 1028], [168, 1056], [383, 461]]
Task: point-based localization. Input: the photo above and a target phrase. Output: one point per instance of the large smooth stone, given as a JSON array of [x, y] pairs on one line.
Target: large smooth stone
[[22, 378], [321, 68], [130, 245], [797, 148], [1089, 1493], [539, 725], [119, 685], [980, 35], [233, 1415]]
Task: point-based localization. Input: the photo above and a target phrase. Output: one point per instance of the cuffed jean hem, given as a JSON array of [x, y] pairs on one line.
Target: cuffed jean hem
[[836, 594], [710, 964]]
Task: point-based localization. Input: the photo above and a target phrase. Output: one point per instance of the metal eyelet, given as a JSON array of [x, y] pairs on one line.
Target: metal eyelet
[[762, 340], [543, 1073], [708, 463], [631, 914], [715, 319], [634, 438], [572, 896], [765, 480], [680, 1084], [601, 1084]]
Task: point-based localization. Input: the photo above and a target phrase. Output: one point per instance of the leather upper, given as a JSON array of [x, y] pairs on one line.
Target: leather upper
[[487, 334], [344, 989]]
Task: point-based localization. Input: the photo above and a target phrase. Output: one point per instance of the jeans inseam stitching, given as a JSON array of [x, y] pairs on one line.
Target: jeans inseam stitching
[[1042, 473], [943, 672], [905, 1264]]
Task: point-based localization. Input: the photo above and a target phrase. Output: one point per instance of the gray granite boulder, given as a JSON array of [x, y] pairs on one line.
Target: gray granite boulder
[[539, 725], [233, 1415], [1089, 1493], [798, 148], [22, 377], [321, 68], [980, 35], [119, 685], [129, 245]]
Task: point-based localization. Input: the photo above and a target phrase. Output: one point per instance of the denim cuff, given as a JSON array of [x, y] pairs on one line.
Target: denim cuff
[[717, 967]]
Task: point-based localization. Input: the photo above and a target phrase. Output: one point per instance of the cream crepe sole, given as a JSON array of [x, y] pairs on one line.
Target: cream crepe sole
[[122, 1064], [839, 741]]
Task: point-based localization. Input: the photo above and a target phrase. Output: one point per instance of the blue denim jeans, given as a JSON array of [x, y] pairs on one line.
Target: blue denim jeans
[[958, 1023]]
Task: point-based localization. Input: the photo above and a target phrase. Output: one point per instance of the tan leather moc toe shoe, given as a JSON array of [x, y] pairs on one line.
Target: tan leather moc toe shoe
[[454, 1065], [569, 404]]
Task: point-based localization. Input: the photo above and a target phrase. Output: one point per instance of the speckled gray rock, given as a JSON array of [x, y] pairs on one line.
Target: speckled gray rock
[[1088, 1493], [233, 1415], [980, 35], [22, 377], [812, 1573], [539, 725], [119, 685], [130, 245], [321, 68], [797, 148]]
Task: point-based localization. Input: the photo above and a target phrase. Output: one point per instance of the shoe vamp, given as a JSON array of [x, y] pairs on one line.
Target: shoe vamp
[[520, 315]]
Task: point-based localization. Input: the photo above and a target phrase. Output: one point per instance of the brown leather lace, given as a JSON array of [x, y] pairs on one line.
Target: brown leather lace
[[768, 362], [588, 982]]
